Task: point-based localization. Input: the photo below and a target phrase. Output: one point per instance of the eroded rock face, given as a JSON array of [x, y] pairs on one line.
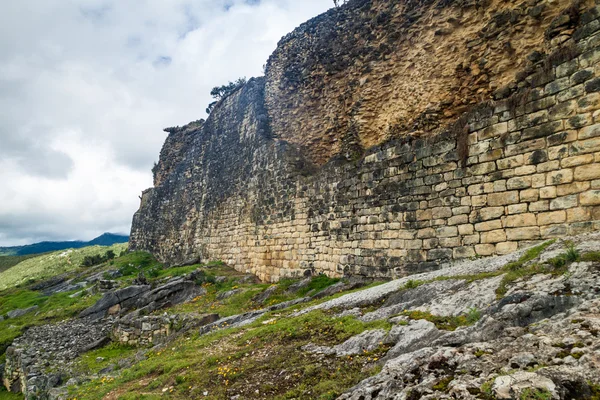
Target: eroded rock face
[[539, 338], [143, 298]]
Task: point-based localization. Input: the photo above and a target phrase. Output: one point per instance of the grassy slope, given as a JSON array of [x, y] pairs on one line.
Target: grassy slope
[[8, 261], [263, 361], [52, 264]]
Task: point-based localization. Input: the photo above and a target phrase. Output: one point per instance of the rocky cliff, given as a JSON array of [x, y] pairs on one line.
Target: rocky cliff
[[388, 138]]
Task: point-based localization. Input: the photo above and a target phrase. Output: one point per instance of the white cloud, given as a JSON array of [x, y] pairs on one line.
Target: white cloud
[[86, 87]]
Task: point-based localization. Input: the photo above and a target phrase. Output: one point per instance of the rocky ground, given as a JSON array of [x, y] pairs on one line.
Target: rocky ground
[[521, 326]]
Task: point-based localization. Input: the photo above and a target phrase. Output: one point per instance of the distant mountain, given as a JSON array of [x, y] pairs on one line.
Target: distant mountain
[[106, 239]]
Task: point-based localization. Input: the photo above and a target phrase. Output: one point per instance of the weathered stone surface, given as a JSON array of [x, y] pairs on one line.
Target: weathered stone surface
[[20, 312], [526, 330], [277, 184], [144, 298]]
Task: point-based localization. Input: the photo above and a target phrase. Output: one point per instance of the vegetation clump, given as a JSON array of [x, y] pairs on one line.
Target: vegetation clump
[[221, 92], [447, 323]]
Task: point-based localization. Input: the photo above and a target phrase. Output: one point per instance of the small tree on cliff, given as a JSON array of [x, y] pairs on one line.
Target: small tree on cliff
[[220, 92]]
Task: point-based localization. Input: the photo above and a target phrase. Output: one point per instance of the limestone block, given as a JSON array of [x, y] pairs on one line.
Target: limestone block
[[491, 155], [578, 214], [466, 229], [529, 195], [546, 129], [525, 170], [493, 131], [590, 198], [450, 241], [582, 75], [506, 247], [501, 199], [446, 231], [557, 85], [589, 132], [576, 161], [510, 162], [439, 254], [425, 233], [559, 177], [538, 180], [413, 244], [475, 189], [587, 172], [487, 213], [548, 192], [525, 147], [564, 202], [488, 226], [570, 93], [589, 102], [579, 121], [471, 239], [494, 236], [517, 208], [551, 165], [585, 146], [441, 212], [479, 147], [430, 243], [464, 252], [517, 220], [458, 219], [542, 205], [461, 210], [479, 201], [521, 182], [524, 233], [553, 217], [551, 231], [485, 249], [482, 169], [563, 109], [500, 185], [570, 188]]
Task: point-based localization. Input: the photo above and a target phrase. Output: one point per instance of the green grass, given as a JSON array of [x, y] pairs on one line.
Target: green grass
[[8, 261], [4, 395], [264, 356], [317, 284], [89, 363], [443, 384], [134, 262], [447, 323], [52, 264], [593, 256], [535, 394]]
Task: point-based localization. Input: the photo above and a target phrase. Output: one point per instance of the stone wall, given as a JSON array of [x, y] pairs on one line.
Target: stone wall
[[507, 173], [142, 331]]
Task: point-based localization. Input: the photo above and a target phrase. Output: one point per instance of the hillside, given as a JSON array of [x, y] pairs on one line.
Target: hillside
[[106, 239], [521, 326], [52, 264]]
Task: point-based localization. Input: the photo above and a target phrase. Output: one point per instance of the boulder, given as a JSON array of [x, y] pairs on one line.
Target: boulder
[[20, 312]]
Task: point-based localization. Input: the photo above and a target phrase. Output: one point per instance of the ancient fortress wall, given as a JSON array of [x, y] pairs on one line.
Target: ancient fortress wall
[[519, 169]]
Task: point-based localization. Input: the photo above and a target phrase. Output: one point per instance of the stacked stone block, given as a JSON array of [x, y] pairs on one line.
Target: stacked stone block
[[531, 173]]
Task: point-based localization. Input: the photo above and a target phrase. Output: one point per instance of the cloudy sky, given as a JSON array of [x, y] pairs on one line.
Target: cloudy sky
[[86, 87]]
